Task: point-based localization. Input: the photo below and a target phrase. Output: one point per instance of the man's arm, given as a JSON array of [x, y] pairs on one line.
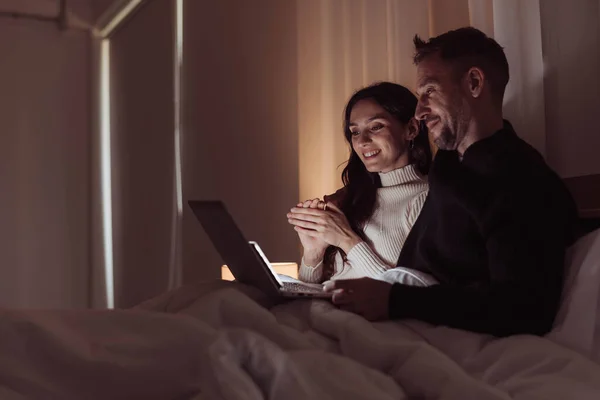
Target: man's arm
[[525, 240]]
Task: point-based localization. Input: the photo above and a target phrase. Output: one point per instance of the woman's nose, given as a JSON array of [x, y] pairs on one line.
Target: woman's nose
[[364, 138]]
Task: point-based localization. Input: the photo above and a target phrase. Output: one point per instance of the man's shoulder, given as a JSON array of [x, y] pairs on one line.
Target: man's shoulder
[[513, 150], [525, 184], [513, 165]]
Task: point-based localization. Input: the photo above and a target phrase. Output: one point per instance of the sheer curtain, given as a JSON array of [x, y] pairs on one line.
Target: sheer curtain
[[346, 44], [343, 45], [44, 163], [264, 84], [571, 49], [273, 76], [239, 124], [277, 90], [142, 152]]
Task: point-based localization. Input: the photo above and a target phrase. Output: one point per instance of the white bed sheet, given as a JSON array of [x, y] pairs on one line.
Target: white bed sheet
[[215, 341], [577, 324]]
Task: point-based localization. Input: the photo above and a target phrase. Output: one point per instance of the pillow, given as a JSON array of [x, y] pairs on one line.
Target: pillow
[[577, 323]]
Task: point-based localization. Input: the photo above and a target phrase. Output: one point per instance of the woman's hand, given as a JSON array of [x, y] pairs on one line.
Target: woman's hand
[[327, 224], [314, 248]]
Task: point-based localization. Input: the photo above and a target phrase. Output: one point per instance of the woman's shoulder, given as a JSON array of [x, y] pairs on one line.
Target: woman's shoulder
[[415, 186], [415, 206], [420, 196], [416, 179], [422, 182]]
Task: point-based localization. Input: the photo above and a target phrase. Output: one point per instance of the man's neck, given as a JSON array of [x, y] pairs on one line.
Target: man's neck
[[479, 129]]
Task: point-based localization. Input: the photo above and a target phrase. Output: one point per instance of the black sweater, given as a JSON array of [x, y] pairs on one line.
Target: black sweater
[[494, 231]]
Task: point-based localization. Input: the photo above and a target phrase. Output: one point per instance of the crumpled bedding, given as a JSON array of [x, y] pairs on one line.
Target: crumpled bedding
[[227, 341], [577, 323]]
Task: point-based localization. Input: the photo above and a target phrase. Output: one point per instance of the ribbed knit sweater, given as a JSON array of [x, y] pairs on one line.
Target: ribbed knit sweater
[[399, 201]]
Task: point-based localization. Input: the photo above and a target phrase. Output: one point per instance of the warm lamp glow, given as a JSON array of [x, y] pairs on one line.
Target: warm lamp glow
[[283, 268]]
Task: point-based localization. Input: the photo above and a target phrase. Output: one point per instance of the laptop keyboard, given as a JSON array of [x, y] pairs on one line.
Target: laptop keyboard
[[298, 287]]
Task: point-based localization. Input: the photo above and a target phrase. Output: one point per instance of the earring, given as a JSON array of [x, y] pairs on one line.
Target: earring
[[412, 144]]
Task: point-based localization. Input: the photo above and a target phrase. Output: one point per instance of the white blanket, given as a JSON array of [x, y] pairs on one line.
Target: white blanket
[[218, 343], [577, 324]]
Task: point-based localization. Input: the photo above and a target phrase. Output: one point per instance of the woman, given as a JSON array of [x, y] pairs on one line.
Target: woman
[[359, 231]]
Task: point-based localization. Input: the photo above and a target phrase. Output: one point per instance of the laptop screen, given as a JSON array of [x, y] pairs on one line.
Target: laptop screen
[[265, 262], [243, 260]]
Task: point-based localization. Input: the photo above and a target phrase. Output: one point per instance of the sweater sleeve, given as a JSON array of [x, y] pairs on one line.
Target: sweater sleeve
[[364, 260], [524, 238], [310, 274]]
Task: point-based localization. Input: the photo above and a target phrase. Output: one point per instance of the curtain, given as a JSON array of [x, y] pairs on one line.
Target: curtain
[[551, 97], [518, 29], [264, 84], [142, 152], [44, 165], [343, 45], [239, 125], [571, 52]]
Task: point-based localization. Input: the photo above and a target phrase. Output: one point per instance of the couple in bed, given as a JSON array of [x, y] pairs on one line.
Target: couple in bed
[[479, 244]]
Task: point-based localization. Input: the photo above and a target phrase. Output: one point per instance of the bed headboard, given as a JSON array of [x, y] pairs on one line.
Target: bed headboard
[[586, 192]]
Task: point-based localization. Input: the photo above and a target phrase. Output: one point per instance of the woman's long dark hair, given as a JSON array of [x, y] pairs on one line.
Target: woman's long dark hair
[[358, 196]]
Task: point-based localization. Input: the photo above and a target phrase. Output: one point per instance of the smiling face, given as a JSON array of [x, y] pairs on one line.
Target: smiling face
[[442, 104], [379, 139]]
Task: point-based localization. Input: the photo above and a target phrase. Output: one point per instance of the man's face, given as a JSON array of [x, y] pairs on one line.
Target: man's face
[[442, 104]]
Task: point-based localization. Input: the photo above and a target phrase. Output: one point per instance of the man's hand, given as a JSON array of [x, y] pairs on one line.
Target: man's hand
[[367, 297]]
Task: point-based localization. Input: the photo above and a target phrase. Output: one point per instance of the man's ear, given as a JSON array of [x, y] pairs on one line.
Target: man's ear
[[475, 81], [413, 129]]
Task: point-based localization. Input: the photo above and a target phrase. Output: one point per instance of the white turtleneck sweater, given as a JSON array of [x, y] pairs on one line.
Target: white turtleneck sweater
[[399, 201]]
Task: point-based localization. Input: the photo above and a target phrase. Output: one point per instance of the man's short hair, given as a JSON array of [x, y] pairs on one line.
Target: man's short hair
[[466, 48]]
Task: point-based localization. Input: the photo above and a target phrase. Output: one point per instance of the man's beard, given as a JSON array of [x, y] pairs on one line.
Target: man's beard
[[446, 140], [453, 132]]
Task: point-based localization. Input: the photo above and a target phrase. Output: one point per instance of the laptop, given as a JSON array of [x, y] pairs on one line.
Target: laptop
[[245, 259]]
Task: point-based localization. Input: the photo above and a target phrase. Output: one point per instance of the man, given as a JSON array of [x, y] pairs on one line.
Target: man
[[497, 221]]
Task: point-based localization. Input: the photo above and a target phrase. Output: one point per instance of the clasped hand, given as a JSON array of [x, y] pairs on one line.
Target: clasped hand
[[325, 222], [320, 224]]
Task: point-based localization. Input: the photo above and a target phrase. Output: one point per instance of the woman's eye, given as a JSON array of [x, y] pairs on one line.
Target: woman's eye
[[377, 127], [429, 91], [354, 133]]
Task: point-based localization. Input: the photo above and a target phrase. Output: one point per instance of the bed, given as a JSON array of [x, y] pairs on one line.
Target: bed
[[586, 192], [221, 340]]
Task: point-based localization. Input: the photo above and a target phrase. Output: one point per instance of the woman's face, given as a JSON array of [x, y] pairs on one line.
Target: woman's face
[[379, 139]]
